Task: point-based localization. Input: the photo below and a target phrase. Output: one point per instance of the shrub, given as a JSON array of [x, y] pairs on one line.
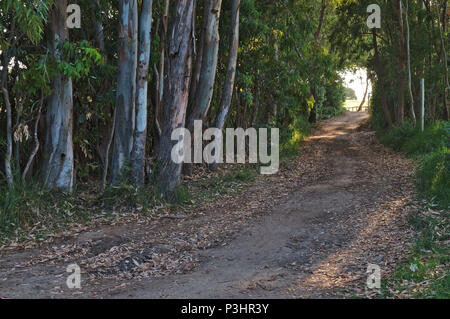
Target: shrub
[[433, 177], [397, 136], [434, 137]]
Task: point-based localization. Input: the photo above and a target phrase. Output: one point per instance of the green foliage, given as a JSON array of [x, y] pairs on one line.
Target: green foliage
[[435, 137], [425, 273], [433, 176], [25, 206], [350, 94], [398, 136], [431, 149], [30, 16], [78, 59], [292, 137]]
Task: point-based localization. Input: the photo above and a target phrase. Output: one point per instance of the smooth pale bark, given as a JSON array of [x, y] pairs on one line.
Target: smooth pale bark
[[126, 91], [205, 88], [36, 139], [176, 92], [380, 75], [8, 154], [365, 93], [58, 163], [401, 65], [408, 54], [227, 93], [98, 29], [140, 132]]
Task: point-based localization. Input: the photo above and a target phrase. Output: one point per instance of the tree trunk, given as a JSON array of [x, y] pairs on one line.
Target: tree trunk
[[58, 164], [162, 74], [408, 50], [126, 91], [205, 88], [380, 76], [444, 58], [365, 94], [8, 154], [176, 92], [138, 154], [98, 29], [227, 93], [198, 56], [36, 140], [401, 65]]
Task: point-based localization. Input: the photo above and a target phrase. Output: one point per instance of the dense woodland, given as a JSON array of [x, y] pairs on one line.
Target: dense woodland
[[98, 103]]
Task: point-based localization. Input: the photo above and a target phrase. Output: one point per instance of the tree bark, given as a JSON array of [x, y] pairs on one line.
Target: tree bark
[[365, 93], [445, 58], [205, 88], [176, 93], [138, 153], [380, 76], [126, 91], [98, 29], [408, 51], [227, 93], [36, 139], [401, 65], [8, 154], [58, 164]]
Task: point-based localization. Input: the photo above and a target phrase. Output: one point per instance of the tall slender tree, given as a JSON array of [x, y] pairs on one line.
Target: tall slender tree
[[204, 93], [227, 93], [126, 89], [58, 163], [176, 92], [140, 133]]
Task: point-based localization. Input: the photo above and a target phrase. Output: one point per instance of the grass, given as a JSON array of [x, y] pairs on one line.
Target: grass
[[430, 149], [29, 212], [425, 274]]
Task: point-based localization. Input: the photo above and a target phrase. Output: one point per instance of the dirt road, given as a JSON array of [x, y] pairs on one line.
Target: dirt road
[[310, 231]]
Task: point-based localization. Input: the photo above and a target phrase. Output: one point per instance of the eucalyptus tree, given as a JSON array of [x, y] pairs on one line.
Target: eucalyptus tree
[[176, 91], [126, 90], [58, 163]]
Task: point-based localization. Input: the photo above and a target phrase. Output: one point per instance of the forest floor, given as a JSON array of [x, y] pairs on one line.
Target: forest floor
[[309, 231]]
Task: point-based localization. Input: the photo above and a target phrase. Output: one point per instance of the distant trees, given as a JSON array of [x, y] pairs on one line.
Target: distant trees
[[350, 94]]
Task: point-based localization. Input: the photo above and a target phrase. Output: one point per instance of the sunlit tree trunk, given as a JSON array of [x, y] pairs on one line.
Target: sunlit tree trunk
[[138, 154], [58, 164], [176, 92], [126, 91], [365, 93]]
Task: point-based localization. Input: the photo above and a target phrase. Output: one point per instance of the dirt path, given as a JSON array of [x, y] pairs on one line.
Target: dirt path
[[310, 231]]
